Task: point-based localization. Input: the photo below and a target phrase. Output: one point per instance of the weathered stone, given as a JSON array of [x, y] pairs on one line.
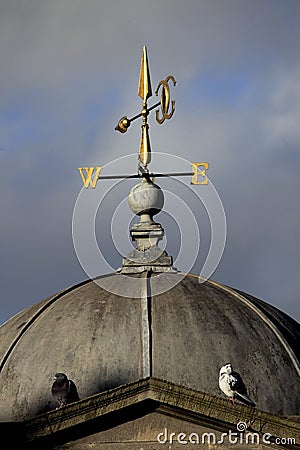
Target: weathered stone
[[152, 412], [165, 325]]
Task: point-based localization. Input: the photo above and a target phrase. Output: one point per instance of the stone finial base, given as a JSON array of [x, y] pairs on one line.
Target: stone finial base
[[146, 199], [147, 255]]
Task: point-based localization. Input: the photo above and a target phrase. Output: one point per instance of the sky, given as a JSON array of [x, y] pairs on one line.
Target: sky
[[69, 71]]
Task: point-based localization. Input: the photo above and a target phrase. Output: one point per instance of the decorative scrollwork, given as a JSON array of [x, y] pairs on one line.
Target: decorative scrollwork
[[165, 100]]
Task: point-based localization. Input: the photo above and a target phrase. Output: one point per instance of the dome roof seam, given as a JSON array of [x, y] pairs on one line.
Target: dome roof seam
[[122, 328], [266, 320], [146, 325], [260, 314], [33, 319]]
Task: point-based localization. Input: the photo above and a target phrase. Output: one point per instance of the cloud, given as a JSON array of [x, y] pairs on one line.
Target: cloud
[[69, 71]]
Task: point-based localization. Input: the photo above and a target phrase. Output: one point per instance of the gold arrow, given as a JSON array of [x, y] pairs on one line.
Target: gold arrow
[[145, 90]]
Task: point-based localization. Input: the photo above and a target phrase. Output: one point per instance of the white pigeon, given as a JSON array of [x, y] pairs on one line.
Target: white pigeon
[[232, 385]]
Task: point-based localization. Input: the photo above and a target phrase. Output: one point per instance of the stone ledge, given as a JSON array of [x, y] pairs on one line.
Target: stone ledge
[[165, 397]]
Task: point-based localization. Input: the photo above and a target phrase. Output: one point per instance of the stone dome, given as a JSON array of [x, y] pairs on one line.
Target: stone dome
[[121, 328]]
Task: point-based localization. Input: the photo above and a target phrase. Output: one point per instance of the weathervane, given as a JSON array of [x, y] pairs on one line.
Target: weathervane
[[145, 92], [165, 112]]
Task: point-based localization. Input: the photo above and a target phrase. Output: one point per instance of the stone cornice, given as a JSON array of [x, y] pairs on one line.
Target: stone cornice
[[165, 397]]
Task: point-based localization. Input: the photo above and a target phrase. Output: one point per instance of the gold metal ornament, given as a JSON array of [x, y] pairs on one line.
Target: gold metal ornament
[[145, 92], [123, 124], [166, 108], [165, 100]]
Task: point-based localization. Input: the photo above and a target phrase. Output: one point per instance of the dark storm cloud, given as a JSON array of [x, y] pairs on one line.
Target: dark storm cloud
[[69, 70]]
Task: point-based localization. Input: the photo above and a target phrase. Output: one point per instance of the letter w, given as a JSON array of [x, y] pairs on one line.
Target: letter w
[[87, 178]]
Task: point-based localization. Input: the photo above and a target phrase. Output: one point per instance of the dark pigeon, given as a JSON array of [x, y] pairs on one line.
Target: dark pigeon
[[64, 391]]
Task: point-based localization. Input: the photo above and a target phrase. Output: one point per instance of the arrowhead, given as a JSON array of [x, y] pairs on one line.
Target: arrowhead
[[145, 90]]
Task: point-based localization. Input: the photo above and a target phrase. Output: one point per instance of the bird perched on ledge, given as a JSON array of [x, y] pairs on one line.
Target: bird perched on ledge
[[232, 385], [64, 391]]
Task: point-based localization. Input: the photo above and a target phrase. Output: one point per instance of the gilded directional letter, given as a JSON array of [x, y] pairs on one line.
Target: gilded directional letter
[[87, 177], [197, 172]]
